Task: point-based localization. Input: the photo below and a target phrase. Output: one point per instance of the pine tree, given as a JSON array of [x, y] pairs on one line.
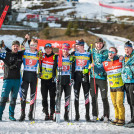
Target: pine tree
[[75, 28], [47, 32], [69, 29]]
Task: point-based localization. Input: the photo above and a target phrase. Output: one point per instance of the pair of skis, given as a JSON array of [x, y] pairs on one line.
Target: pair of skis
[[58, 86]]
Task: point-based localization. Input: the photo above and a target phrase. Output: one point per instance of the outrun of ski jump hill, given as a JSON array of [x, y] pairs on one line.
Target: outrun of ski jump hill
[[82, 127]]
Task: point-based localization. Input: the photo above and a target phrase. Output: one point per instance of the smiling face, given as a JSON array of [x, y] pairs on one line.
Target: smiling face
[[33, 46], [128, 51], [99, 45], [65, 51], [15, 48], [79, 48], [112, 52], [48, 50]]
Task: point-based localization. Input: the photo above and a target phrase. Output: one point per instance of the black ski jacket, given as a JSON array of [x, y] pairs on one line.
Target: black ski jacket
[[12, 64]]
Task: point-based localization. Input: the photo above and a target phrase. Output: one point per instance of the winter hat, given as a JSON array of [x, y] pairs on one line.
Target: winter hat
[[66, 46], [16, 43], [128, 44], [80, 42], [48, 45], [99, 40]]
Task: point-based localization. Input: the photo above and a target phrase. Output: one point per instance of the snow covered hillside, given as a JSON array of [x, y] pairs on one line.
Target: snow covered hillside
[[85, 9]]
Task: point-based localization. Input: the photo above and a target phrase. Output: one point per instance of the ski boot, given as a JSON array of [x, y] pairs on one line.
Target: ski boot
[[47, 117], [87, 117], [114, 121], [11, 117], [130, 124], [106, 119], [66, 117], [30, 116], [120, 123], [22, 117], [51, 116], [77, 117]]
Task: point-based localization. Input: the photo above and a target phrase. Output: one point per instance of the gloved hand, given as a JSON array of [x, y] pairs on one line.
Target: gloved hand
[[2, 44], [13, 66], [39, 75], [53, 79], [71, 82], [85, 71], [72, 58]]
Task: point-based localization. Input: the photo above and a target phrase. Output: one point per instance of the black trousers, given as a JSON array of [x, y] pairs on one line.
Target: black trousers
[[67, 91], [102, 84], [48, 85], [77, 85], [129, 87], [29, 78]]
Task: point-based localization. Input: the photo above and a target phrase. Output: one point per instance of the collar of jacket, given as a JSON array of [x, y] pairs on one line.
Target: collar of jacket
[[100, 51], [48, 55], [115, 58]]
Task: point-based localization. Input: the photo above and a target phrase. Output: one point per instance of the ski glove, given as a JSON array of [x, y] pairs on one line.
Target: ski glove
[[1, 44], [13, 66], [53, 79], [39, 75], [72, 58], [85, 71], [71, 82]]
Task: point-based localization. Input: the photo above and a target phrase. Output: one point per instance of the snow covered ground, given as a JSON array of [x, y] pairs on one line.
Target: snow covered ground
[[49, 127]]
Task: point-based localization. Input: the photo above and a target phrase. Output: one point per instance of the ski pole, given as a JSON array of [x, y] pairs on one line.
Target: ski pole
[[71, 84], [93, 68]]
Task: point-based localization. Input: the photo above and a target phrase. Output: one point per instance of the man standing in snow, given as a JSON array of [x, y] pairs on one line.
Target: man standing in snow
[[12, 64], [113, 68], [67, 71], [30, 61], [128, 78], [82, 61], [100, 54], [47, 83]]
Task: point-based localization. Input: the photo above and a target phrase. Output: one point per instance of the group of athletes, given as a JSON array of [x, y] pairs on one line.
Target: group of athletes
[[93, 69]]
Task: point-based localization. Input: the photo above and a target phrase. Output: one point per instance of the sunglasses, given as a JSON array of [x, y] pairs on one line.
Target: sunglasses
[[111, 52], [33, 45], [48, 45]]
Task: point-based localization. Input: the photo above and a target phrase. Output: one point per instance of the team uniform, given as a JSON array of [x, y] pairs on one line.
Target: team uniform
[[30, 62], [67, 75], [12, 64], [82, 61], [47, 84], [113, 69], [128, 79]]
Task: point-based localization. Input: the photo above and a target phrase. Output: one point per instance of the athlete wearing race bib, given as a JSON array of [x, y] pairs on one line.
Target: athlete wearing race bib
[[30, 61], [67, 76], [82, 61], [47, 85]]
